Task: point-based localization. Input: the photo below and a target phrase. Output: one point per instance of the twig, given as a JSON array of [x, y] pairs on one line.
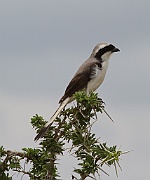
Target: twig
[[107, 114]]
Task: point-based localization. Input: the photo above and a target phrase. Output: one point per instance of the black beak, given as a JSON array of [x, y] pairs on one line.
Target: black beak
[[115, 50]]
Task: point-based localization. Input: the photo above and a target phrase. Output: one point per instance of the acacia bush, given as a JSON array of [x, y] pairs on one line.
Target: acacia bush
[[74, 127]]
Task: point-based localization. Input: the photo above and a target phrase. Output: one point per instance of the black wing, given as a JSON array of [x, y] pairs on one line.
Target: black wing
[[79, 81]]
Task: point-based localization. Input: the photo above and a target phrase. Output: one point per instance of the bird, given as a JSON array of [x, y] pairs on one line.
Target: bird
[[88, 78]]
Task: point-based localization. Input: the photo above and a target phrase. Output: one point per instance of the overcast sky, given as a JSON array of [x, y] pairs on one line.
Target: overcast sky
[[42, 43]]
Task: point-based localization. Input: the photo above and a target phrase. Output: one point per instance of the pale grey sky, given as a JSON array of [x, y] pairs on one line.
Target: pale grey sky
[[42, 43]]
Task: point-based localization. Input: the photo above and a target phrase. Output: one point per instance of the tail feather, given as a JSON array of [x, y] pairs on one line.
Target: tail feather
[[41, 133], [51, 120]]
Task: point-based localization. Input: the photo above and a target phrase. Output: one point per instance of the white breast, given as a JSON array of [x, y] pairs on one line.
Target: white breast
[[97, 77]]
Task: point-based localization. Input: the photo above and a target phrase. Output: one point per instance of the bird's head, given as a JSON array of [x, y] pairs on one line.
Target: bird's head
[[103, 51]]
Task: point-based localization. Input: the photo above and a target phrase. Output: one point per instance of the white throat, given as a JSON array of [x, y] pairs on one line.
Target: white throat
[[106, 56]]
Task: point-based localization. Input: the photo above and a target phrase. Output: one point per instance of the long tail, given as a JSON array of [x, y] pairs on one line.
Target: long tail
[[48, 124]]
